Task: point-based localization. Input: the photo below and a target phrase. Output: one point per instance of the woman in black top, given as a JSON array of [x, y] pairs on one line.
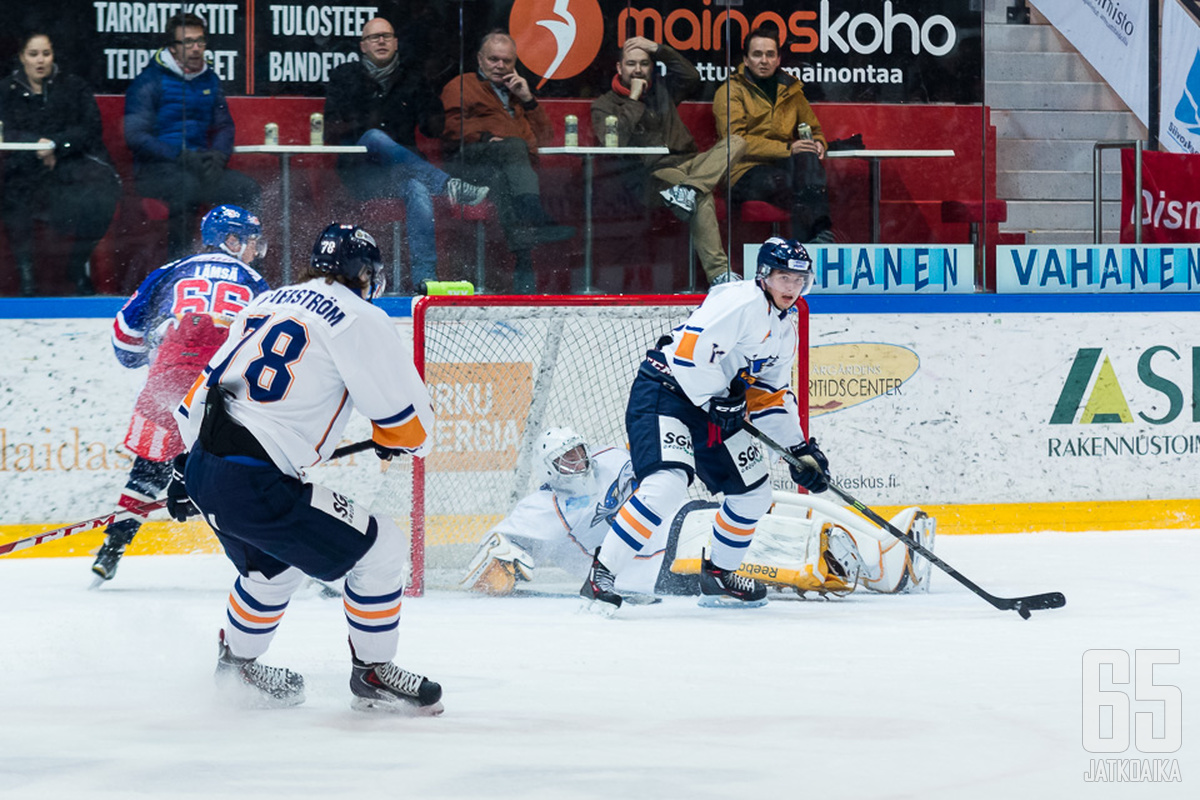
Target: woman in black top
[[71, 185]]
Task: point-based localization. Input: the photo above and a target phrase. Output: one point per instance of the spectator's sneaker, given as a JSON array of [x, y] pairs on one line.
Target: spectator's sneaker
[[727, 589], [681, 200], [597, 592], [824, 237], [387, 687], [109, 554], [723, 277], [256, 685], [462, 193]]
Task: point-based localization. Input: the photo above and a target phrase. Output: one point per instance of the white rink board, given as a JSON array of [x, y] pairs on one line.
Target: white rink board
[[970, 425], [65, 404], [973, 424]]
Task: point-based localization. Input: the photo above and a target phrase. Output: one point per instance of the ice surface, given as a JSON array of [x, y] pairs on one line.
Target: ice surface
[[109, 693]]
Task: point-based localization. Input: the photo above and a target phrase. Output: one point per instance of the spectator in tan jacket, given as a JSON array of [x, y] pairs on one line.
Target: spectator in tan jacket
[[647, 115], [782, 165], [494, 127]]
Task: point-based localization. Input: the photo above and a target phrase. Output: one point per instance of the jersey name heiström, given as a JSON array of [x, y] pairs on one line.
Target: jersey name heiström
[[321, 305]]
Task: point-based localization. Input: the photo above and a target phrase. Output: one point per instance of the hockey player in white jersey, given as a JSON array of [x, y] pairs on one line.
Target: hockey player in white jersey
[[563, 522], [805, 544], [272, 402], [732, 357]]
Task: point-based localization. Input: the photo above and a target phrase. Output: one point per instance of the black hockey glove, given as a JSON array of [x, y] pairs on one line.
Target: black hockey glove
[[728, 413], [815, 474], [388, 453], [179, 505]]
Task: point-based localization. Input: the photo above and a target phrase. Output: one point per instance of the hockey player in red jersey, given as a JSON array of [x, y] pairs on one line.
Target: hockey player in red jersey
[[273, 402], [731, 358], [174, 322]]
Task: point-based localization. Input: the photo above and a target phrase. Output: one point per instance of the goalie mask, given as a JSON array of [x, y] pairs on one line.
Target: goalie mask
[[566, 461], [351, 252], [229, 220]]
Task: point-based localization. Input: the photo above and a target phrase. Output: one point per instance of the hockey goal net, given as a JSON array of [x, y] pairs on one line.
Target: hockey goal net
[[500, 371]]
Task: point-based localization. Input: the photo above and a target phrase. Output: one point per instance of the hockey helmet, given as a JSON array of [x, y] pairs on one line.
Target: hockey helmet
[[566, 461], [220, 222], [347, 250], [784, 254]]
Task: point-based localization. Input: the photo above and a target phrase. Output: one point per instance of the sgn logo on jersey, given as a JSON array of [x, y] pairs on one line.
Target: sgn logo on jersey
[[557, 39]]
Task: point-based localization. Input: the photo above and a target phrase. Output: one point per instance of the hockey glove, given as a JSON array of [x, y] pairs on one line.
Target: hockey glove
[[388, 453], [179, 505], [728, 413], [815, 473], [212, 164]]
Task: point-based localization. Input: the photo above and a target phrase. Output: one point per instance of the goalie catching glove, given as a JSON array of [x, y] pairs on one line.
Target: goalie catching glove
[[179, 505], [497, 566], [815, 473]]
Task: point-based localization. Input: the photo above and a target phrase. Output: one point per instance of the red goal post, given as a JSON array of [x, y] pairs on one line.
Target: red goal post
[[500, 371]]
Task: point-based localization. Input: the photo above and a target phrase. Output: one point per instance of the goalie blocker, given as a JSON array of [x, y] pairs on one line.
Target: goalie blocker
[[804, 543]]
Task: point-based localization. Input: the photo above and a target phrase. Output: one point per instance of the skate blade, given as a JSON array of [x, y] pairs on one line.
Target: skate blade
[[725, 601], [401, 708], [641, 599], [597, 608]]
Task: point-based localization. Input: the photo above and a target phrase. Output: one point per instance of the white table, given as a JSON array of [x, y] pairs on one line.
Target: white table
[[285, 153], [588, 154], [873, 157], [27, 145]]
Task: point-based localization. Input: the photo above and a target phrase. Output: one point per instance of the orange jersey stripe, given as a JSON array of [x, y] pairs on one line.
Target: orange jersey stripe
[[632, 522], [191, 393], [246, 615], [411, 434], [387, 612], [687, 346], [728, 526], [757, 399]]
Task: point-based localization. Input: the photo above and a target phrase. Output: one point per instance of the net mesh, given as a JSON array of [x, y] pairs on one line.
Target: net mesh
[[499, 376]]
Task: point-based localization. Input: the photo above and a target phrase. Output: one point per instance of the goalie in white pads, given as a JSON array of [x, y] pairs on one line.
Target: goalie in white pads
[[804, 543], [563, 521]]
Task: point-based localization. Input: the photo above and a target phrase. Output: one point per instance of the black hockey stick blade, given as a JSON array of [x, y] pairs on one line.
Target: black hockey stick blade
[[1022, 605]]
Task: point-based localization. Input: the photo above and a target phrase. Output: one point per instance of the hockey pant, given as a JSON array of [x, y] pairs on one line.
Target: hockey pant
[[641, 527], [276, 528]]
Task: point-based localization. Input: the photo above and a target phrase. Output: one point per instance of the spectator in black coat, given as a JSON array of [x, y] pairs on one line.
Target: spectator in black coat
[[71, 184], [379, 102]]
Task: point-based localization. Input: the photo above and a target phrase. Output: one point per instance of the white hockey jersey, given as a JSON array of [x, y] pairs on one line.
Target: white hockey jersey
[[737, 331], [298, 360]]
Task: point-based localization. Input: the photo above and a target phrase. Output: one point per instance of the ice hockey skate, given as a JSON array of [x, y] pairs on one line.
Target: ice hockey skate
[[722, 588], [386, 687], [255, 685], [597, 592], [109, 555]]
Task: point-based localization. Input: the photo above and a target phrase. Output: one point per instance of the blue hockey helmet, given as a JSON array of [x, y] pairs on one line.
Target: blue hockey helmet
[[347, 250], [784, 254], [224, 220]]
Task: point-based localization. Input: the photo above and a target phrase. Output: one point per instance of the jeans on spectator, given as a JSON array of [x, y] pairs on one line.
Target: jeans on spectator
[[505, 168], [414, 180]]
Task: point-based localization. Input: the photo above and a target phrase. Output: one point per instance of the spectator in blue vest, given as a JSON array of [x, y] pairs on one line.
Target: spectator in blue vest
[[178, 127]]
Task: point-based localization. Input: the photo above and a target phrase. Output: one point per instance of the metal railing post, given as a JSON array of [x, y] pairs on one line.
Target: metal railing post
[[1098, 185]]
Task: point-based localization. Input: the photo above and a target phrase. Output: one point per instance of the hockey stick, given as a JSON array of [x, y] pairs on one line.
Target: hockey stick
[[1022, 605], [104, 520]]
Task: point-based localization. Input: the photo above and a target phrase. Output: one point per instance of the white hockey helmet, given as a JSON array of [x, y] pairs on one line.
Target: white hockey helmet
[[566, 461]]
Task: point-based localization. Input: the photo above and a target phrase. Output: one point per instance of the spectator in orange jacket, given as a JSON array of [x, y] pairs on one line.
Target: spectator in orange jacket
[[494, 127]]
